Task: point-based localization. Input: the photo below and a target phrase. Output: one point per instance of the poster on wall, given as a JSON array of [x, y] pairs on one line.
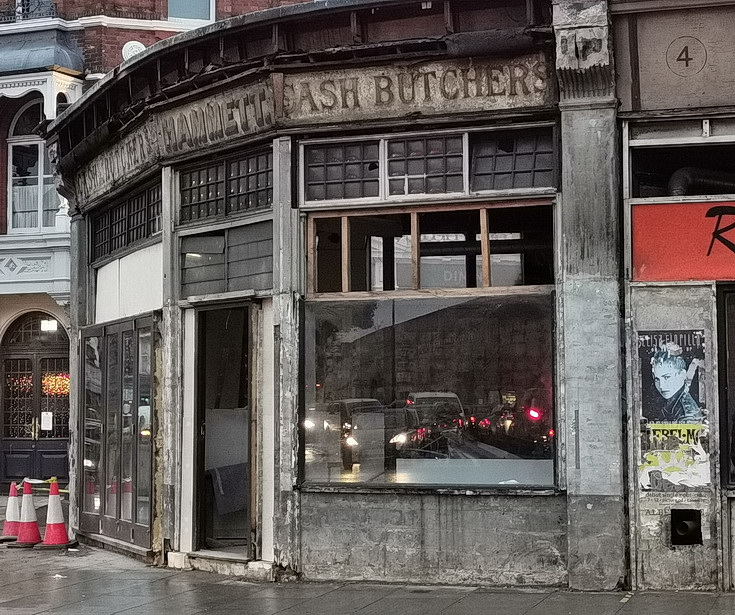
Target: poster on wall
[[674, 424]]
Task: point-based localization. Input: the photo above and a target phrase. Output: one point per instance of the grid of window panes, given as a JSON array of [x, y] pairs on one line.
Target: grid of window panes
[[425, 166], [128, 222], [342, 171], [250, 182], [202, 192], [512, 159]]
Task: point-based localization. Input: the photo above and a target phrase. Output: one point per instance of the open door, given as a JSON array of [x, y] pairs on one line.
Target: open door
[[224, 439]]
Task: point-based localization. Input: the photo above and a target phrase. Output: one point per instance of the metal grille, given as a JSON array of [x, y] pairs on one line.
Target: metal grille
[[518, 159], [134, 219], [55, 386], [342, 171], [227, 187], [425, 166], [27, 9], [18, 397]]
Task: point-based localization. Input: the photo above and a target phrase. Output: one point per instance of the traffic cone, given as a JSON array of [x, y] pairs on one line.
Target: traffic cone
[[56, 536], [12, 516], [28, 532]]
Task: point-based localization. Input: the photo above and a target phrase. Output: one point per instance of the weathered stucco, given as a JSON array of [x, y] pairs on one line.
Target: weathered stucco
[[493, 540], [659, 564]]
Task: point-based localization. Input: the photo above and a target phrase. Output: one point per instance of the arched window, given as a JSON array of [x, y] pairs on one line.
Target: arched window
[[32, 200]]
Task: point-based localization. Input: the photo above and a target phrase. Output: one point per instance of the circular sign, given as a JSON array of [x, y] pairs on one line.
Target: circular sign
[[132, 48], [686, 56]]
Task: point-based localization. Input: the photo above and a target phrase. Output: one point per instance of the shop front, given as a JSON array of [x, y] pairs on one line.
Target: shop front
[[335, 316]]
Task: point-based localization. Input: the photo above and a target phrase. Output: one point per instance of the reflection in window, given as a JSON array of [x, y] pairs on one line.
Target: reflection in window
[[144, 427], [92, 425], [452, 391]]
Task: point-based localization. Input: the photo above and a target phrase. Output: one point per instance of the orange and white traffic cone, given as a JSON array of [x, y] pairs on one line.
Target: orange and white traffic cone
[[28, 532], [12, 516], [56, 536]]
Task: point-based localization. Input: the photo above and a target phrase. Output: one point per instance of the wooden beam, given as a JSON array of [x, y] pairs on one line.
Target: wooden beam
[[415, 251], [311, 270], [345, 244], [485, 248]]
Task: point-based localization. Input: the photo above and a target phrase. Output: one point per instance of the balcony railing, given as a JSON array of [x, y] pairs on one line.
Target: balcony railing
[[21, 10]]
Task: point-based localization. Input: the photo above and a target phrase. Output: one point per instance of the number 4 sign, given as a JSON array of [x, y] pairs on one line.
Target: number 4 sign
[[686, 56]]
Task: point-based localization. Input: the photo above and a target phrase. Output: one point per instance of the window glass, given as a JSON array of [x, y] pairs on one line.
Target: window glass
[[438, 391], [127, 422], [127, 222], [34, 201], [342, 171], [227, 187], [683, 171], [425, 166], [113, 431], [145, 428], [513, 159], [189, 9], [92, 426], [28, 120]]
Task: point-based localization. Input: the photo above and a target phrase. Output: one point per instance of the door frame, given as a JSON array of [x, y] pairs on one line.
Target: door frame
[[198, 397], [101, 522], [36, 352]]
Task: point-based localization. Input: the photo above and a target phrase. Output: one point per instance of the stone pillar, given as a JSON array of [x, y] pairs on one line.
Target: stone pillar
[[591, 339]]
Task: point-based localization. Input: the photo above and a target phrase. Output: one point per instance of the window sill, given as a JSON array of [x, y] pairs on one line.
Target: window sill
[[498, 490]]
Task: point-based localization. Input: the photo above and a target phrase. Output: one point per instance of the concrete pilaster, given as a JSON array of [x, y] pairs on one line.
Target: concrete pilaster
[[590, 285], [286, 284]]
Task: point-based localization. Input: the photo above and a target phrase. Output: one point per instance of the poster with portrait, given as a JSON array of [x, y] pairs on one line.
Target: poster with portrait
[[674, 425]]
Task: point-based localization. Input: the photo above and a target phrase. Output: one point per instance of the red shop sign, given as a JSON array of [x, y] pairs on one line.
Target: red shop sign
[[683, 241]]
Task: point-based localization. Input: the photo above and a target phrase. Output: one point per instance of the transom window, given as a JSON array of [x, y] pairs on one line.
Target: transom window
[[227, 187], [128, 222], [33, 200], [437, 247], [429, 165]]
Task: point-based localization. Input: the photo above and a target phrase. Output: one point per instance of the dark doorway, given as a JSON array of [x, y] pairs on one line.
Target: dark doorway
[[35, 400], [726, 318], [224, 428]]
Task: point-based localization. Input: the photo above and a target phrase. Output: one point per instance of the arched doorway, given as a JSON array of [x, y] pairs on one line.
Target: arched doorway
[[34, 409]]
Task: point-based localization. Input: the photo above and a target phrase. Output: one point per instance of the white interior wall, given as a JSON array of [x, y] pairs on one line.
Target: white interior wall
[[130, 285]]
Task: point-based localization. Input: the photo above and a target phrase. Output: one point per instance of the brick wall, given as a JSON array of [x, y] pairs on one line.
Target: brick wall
[[102, 46]]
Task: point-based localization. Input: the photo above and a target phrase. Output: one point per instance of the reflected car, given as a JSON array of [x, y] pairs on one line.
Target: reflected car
[[524, 428], [433, 420], [346, 409]]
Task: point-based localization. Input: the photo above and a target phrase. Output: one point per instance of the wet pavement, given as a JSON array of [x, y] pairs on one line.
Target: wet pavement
[[92, 581]]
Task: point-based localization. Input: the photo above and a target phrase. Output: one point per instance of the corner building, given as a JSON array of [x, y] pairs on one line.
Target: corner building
[[347, 296]]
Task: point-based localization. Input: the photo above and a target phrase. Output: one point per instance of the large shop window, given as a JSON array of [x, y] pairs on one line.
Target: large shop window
[[430, 391], [127, 222], [117, 430], [412, 167], [33, 200]]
